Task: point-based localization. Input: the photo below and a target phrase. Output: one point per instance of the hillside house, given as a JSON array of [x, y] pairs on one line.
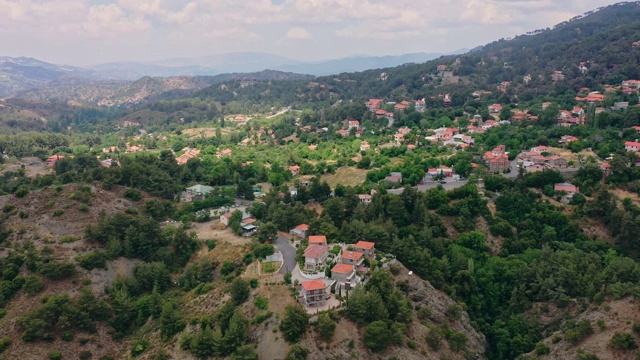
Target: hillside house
[[344, 275], [420, 105], [445, 170], [633, 84], [354, 258], [539, 149], [495, 109], [632, 146], [314, 256], [404, 130], [557, 162], [110, 149], [189, 153], [313, 147], [365, 198], [394, 177], [314, 293], [565, 139], [196, 192], [398, 138], [637, 129], [557, 75], [224, 219], [568, 189], [367, 248], [364, 146], [635, 44], [245, 142], [53, 159], [224, 153], [295, 170], [373, 104], [318, 240], [592, 98], [545, 105], [497, 159], [353, 124], [342, 132], [300, 231]]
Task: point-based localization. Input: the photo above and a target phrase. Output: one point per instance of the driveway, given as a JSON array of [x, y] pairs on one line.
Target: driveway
[[288, 254]]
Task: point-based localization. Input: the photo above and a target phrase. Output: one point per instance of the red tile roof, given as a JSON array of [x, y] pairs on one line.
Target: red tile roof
[[312, 285], [315, 251], [315, 239], [352, 255], [365, 245], [302, 227], [342, 268]]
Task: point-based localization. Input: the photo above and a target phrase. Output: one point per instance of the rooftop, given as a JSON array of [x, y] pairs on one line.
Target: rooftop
[[342, 268], [313, 285], [365, 245]]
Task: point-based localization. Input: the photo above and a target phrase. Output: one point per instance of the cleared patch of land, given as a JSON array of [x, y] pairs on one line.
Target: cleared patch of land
[[347, 176]]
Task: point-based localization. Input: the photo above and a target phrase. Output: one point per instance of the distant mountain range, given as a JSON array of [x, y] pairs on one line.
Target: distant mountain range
[[17, 75], [251, 62]]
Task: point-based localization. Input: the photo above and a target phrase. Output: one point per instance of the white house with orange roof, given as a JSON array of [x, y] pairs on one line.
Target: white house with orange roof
[[317, 240], [300, 231], [314, 256], [295, 170], [364, 146], [353, 124], [367, 248], [632, 146], [344, 275], [354, 258], [314, 293], [365, 198], [567, 189]]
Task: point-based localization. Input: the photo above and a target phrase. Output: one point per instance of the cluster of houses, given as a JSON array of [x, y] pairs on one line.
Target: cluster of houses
[[538, 159], [344, 275], [189, 153]]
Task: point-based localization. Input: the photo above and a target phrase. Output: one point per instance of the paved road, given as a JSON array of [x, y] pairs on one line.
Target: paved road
[[288, 254]]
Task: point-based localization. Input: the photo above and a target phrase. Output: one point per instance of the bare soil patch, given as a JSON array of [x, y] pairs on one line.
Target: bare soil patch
[[347, 176]]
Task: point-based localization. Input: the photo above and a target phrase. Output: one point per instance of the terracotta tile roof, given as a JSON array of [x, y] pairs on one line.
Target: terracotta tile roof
[[316, 239], [315, 251], [352, 255], [342, 269], [302, 227], [313, 285], [365, 245]]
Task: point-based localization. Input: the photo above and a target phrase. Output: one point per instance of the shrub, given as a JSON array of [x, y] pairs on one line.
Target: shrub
[[58, 212], [326, 326], [68, 336], [57, 270], [454, 312], [85, 355], [262, 317], [636, 327], [253, 283], [542, 349], [287, 278], [8, 208], [261, 303], [424, 313], [434, 339], [140, 347], [211, 244], [21, 192], [55, 355], [133, 194], [239, 291], [5, 342], [94, 259], [623, 341], [23, 215], [32, 285], [377, 336], [227, 268], [294, 323], [297, 352]]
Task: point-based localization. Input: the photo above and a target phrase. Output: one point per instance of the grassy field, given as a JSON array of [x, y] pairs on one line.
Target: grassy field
[[347, 176]]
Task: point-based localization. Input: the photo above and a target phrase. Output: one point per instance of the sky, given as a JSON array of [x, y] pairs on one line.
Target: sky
[[90, 32]]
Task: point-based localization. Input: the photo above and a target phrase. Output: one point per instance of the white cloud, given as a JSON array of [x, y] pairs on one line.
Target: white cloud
[[336, 26], [298, 33]]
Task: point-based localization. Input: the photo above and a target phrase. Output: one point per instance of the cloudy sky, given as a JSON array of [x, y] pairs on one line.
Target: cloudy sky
[[88, 32]]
